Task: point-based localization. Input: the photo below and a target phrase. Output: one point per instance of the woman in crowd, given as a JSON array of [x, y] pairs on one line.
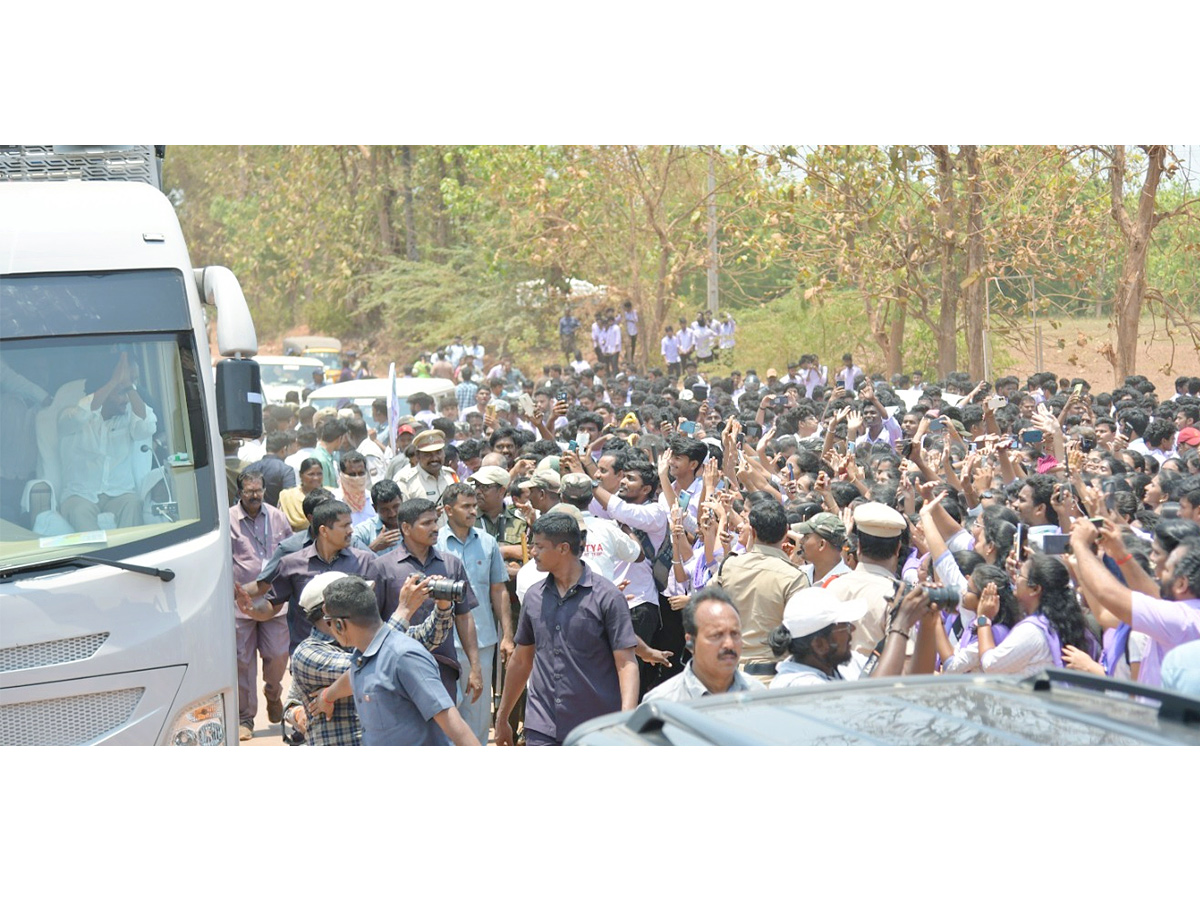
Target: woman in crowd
[[1052, 621], [291, 500], [986, 581]]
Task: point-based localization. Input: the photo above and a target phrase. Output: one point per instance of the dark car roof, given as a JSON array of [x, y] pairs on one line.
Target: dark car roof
[[1057, 707]]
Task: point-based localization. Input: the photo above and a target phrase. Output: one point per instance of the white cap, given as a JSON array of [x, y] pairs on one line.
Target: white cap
[[813, 608], [313, 594]]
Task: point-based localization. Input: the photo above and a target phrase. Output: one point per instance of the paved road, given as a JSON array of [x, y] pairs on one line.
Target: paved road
[[268, 735]]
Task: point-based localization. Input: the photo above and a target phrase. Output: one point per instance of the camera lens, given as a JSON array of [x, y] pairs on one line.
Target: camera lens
[[441, 588], [944, 597]]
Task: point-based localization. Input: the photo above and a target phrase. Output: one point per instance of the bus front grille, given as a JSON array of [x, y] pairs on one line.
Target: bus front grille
[[66, 721], [50, 653]]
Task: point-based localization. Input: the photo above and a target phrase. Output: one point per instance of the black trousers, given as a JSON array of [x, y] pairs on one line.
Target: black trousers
[[670, 638], [646, 622]]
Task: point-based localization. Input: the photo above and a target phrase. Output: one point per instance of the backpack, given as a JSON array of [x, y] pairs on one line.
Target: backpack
[[660, 560]]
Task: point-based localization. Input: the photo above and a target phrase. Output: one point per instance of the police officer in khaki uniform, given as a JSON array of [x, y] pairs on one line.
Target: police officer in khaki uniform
[[428, 477], [879, 530], [759, 582]]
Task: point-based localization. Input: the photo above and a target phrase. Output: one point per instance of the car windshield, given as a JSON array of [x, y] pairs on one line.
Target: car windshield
[[105, 445], [331, 358], [290, 374]]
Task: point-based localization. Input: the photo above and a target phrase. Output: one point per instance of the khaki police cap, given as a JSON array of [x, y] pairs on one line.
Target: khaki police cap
[[878, 520], [430, 440]]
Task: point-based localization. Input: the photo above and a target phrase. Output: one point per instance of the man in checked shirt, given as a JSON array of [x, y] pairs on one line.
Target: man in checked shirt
[[319, 660]]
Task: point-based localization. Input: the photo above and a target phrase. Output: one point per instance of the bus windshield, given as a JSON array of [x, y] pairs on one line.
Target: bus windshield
[[105, 441]]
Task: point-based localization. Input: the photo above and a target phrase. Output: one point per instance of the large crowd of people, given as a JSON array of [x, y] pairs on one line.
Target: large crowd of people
[[539, 551]]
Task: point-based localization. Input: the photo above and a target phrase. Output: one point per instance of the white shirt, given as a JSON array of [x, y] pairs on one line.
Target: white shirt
[[687, 686], [580, 366], [850, 375], [705, 337], [687, 340], [790, 673], [610, 339], [298, 457], [606, 544], [670, 348], [652, 519], [631, 322], [377, 459], [528, 575], [1024, 652], [98, 454], [726, 331], [251, 451]]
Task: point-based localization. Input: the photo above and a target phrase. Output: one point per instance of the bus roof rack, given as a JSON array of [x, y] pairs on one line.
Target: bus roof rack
[[81, 162]]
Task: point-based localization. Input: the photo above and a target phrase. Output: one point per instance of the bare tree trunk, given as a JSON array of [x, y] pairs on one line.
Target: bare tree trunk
[[895, 348], [381, 176], [1131, 287], [975, 289], [410, 217], [947, 330], [442, 237]]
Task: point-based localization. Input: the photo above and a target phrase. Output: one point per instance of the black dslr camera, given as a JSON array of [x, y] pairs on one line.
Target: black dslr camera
[[945, 597], [441, 588]]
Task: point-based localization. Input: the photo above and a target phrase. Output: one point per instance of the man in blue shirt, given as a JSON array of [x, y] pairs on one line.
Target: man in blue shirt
[[567, 326], [381, 532], [398, 693], [480, 555]]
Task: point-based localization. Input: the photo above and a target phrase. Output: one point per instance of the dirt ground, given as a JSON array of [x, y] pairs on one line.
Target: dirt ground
[[1076, 349]]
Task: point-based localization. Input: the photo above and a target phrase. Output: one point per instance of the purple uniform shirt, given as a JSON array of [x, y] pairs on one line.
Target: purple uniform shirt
[[297, 569], [1168, 624], [574, 676]]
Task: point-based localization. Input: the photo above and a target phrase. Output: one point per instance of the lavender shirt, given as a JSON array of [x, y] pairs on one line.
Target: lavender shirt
[[1168, 624]]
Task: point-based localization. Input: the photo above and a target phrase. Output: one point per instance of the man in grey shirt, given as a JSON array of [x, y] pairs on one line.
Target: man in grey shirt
[[713, 632]]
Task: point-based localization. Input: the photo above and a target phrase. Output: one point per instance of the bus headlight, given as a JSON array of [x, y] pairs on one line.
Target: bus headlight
[[200, 725]]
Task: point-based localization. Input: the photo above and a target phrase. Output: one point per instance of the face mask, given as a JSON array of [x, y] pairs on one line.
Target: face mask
[[356, 483]]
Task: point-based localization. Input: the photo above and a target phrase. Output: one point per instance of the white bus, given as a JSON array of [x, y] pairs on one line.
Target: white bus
[[116, 610]]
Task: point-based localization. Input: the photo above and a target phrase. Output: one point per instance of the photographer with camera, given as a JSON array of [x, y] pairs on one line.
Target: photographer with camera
[[398, 695], [417, 554], [319, 704]]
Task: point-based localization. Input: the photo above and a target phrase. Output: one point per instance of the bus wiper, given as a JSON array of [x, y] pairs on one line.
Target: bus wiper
[[83, 560]]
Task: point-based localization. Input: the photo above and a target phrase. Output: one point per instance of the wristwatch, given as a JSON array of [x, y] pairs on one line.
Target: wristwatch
[[979, 622]]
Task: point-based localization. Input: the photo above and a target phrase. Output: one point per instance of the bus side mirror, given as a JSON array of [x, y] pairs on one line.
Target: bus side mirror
[[239, 399]]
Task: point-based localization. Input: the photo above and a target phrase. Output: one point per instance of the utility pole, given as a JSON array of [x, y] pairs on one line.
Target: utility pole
[[713, 299]]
